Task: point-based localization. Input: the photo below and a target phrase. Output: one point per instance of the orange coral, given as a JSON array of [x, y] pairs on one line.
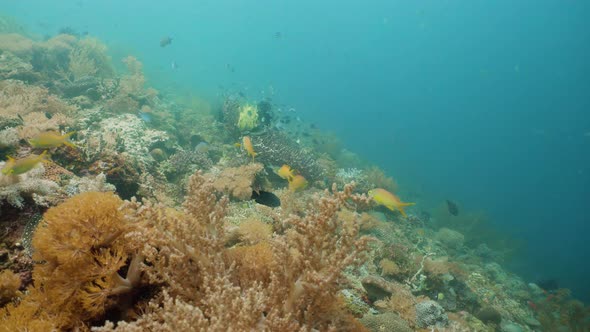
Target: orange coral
[[9, 285], [79, 243]]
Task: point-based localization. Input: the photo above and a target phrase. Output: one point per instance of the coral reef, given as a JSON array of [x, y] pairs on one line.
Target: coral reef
[[148, 221]]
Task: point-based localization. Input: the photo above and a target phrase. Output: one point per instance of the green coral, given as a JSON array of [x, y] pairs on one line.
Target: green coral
[[248, 118]]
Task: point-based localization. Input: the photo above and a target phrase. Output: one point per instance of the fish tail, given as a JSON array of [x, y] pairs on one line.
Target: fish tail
[[44, 158], [70, 144], [401, 210], [67, 135]]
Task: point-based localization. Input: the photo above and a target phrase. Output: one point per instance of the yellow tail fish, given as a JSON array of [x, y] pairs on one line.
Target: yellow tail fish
[[247, 142], [16, 167], [389, 200], [51, 139]]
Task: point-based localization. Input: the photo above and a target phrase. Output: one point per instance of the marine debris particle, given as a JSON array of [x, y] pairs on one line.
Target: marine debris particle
[[165, 41], [453, 208]]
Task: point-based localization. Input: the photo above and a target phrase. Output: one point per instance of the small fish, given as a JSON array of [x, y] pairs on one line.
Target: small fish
[[247, 143], [51, 139], [165, 41], [278, 35], [174, 65], [297, 183], [16, 167], [202, 147], [286, 172], [453, 208], [389, 200], [146, 117]]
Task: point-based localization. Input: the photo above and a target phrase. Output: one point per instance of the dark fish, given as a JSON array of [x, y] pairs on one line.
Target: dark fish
[[266, 198], [548, 284], [165, 41], [453, 208], [278, 35]]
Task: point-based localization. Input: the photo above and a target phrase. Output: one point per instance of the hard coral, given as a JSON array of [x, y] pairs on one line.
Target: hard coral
[[15, 188], [288, 284]]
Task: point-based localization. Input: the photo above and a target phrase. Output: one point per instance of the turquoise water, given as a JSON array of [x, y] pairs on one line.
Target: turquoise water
[[485, 103]]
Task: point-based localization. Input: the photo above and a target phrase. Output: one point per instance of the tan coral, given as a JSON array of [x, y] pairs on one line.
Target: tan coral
[[37, 122], [17, 98], [17, 44], [237, 182]]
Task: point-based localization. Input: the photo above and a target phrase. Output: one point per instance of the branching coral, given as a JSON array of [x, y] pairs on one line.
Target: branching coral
[[287, 283], [15, 188]]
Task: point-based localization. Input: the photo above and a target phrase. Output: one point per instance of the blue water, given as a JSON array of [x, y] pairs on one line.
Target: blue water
[[483, 102]]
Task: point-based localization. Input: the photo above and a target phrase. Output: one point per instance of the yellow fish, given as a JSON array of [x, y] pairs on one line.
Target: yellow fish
[[286, 172], [51, 139], [247, 143], [16, 167], [298, 182], [389, 200]]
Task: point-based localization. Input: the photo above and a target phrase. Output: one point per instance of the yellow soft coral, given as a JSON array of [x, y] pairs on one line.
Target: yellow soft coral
[[248, 119]]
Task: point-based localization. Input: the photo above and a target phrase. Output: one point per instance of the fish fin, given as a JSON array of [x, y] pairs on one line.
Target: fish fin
[[69, 134], [407, 204], [10, 158]]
